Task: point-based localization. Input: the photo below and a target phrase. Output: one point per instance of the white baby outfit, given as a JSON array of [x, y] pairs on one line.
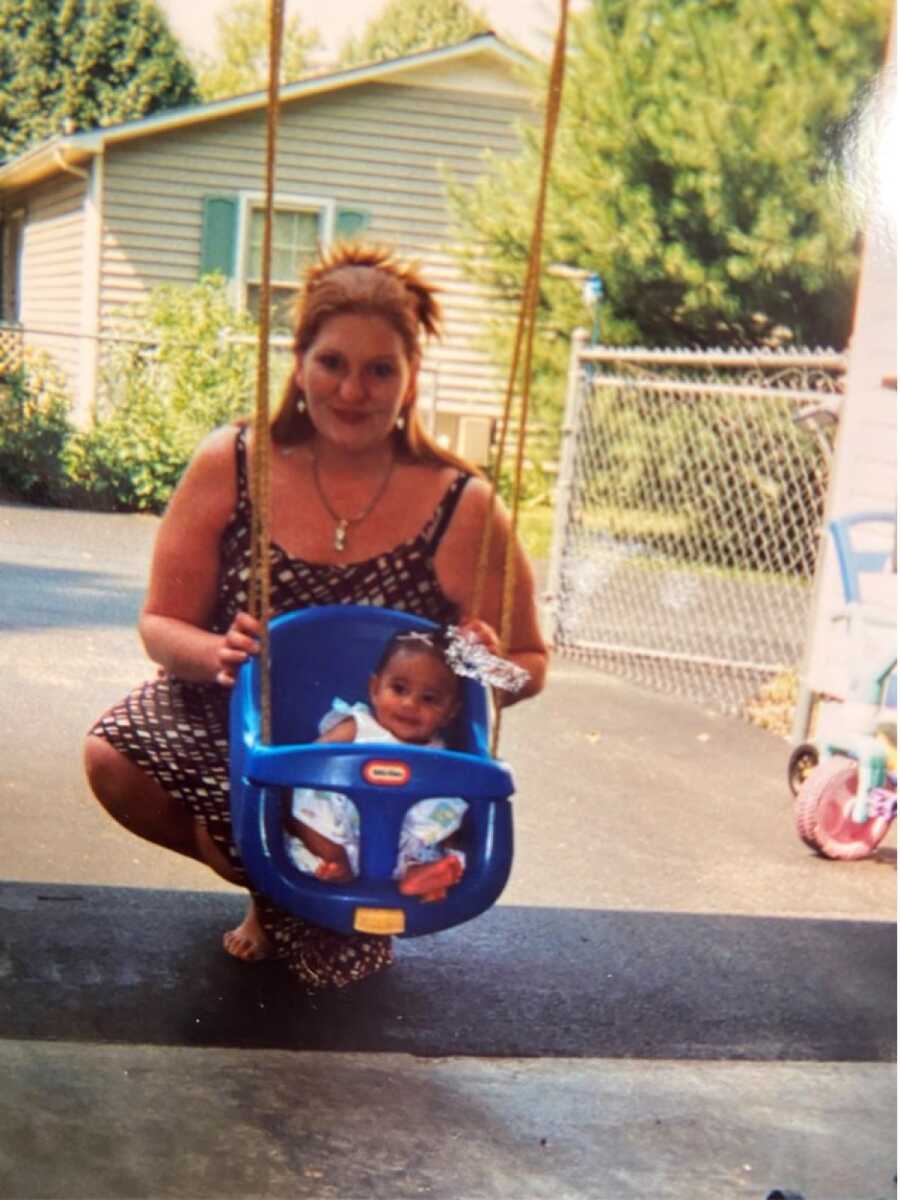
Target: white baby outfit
[[335, 816]]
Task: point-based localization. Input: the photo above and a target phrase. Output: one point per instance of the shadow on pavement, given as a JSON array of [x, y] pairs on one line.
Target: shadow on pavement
[[35, 597], [141, 966]]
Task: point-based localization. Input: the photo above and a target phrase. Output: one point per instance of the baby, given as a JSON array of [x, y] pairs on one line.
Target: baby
[[413, 695]]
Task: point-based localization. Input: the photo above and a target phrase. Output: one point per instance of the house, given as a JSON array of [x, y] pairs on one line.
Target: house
[[93, 221]]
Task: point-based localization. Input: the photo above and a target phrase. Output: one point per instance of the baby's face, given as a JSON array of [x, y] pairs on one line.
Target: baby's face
[[414, 696]]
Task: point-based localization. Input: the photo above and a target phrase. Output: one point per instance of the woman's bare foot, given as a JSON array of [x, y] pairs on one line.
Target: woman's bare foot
[[430, 880], [248, 942]]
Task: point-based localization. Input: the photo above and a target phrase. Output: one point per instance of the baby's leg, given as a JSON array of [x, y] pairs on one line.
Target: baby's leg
[[430, 880], [335, 866], [430, 860]]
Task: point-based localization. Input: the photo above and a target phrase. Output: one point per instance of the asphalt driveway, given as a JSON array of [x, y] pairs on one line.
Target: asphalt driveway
[[674, 997]]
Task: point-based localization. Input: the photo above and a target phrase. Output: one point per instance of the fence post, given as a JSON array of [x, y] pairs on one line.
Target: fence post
[[564, 482]]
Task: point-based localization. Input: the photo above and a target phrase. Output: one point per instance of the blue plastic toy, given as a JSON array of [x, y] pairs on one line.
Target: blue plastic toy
[[317, 654], [854, 562], [852, 559]]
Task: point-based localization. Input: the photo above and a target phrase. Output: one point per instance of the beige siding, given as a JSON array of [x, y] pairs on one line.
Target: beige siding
[[482, 76], [379, 146], [52, 270]]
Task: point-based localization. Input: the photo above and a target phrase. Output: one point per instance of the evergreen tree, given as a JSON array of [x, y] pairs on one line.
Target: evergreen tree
[[407, 26], [697, 171], [67, 65], [241, 61]]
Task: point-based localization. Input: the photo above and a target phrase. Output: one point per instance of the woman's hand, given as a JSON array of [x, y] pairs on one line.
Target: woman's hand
[[481, 632], [454, 565], [240, 641], [488, 637], [484, 633]]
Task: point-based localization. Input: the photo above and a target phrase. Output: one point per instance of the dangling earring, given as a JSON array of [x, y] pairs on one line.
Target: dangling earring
[[301, 405], [401, 422]]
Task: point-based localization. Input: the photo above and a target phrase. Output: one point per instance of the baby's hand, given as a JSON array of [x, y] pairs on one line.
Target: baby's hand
[[240, 641], [482, 632]]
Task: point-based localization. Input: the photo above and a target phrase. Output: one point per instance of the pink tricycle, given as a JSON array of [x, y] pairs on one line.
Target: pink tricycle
[[844, 780]]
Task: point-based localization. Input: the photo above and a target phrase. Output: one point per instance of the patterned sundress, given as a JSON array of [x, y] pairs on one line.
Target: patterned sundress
[[177, 732]]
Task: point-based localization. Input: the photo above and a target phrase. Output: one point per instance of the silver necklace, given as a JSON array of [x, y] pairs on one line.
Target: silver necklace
[[342, 524]]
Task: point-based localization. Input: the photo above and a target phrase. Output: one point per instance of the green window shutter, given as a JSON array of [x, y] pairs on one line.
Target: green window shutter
[[218, 248], [350, 222]]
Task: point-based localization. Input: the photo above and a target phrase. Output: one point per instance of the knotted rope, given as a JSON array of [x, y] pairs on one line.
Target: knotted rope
[[525, 328], [260, 524]]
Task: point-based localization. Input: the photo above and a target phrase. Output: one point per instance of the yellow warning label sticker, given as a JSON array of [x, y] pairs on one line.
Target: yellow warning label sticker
[[379, 920]]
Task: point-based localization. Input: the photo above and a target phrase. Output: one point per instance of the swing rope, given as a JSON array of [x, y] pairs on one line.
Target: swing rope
[[259, 602], [525, 328], [260, 527]]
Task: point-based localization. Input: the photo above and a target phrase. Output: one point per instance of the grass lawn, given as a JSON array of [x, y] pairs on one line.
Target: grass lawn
[[536, 530]]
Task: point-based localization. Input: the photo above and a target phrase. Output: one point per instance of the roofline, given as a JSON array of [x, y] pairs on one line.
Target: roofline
[[63, 152]]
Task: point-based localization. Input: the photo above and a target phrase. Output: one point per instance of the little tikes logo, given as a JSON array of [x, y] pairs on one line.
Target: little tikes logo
[[385, 773]]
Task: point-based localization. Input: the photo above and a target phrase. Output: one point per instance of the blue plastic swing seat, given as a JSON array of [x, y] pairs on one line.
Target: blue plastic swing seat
[[317, 654]]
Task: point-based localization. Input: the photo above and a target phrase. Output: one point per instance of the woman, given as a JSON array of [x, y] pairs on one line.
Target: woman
[[365, 508]]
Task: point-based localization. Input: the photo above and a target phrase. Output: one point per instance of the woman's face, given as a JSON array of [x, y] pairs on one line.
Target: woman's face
[[357, 380]]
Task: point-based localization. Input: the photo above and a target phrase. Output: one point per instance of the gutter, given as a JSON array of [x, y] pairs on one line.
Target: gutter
[[68, 167], [36, 164]]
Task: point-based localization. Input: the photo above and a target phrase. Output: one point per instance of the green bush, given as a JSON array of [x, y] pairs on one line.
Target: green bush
[[535, 488], [130, 462], [178, 377], [35, 433], [172, 377]]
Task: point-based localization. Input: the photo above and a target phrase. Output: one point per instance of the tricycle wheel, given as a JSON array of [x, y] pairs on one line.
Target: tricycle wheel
[[804, 759], [824, 812]]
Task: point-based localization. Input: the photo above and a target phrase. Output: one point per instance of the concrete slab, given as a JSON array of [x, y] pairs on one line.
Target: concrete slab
[[118, 1122], [134, 965]]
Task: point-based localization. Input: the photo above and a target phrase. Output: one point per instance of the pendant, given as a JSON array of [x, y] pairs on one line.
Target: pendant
[[340, 534]]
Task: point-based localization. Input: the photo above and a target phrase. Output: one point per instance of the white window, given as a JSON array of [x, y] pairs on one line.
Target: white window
[[299, 227], [231, 243], [11, 267]]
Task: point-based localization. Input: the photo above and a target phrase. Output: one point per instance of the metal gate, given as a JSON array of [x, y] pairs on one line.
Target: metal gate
[[689, 510]]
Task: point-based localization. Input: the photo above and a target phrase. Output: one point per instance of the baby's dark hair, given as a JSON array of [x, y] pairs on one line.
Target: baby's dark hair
[[416, 641]]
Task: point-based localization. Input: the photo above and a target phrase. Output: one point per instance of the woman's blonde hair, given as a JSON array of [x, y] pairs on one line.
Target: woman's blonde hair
[[354, 277]]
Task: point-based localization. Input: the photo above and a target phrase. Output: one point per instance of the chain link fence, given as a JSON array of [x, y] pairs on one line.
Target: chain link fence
[[690, 502]]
